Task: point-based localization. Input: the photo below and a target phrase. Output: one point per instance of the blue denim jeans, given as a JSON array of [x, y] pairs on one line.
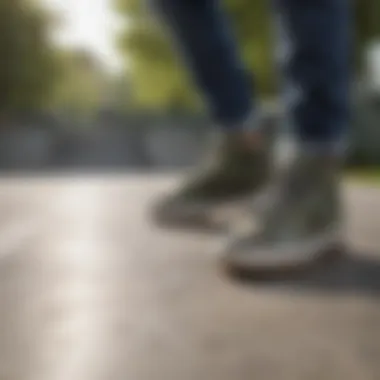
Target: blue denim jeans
[[316, 63]]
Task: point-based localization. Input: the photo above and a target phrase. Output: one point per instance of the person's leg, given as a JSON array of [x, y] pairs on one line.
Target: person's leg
[[239, 164], [318, 69], [302, 219], [202, 35]]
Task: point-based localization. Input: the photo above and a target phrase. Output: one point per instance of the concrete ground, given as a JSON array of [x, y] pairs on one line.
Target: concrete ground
[[90, 290]]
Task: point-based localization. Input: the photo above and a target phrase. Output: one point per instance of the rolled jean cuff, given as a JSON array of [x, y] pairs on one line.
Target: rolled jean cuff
[[249, 121], [335, 147]]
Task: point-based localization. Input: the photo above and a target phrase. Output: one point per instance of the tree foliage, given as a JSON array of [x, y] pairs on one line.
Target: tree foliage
[[158, 78], [367, 17], [80, 87], [29, 67]]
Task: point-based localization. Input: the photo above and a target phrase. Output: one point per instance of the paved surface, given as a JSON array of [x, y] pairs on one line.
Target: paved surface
[[90, 290]]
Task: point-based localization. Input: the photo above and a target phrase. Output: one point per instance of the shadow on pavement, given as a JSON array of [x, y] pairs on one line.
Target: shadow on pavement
[[353, 274]]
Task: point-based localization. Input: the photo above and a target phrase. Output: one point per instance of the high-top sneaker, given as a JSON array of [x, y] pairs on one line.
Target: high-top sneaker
[[238, 166], [300, 223]]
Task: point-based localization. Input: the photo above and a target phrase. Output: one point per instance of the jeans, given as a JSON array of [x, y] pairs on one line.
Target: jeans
[[315, 63]]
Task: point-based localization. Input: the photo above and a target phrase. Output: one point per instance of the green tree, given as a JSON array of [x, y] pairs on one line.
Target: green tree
[[80, 88], [29, 67], [157, 78], [367, 16]]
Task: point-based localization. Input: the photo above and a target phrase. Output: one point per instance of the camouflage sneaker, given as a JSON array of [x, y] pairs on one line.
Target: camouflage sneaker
[[236, 169], [300, 224]]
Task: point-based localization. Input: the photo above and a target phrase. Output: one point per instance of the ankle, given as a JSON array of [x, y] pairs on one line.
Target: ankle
[[250, 141]]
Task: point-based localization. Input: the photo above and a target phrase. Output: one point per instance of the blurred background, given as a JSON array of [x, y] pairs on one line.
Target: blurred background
[[89, 288], [95, 83]]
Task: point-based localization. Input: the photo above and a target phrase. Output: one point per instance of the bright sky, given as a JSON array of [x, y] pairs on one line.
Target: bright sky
[[90, 24]]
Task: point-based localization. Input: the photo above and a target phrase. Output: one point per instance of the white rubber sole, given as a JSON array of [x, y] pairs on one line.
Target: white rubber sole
[[282, 258]]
